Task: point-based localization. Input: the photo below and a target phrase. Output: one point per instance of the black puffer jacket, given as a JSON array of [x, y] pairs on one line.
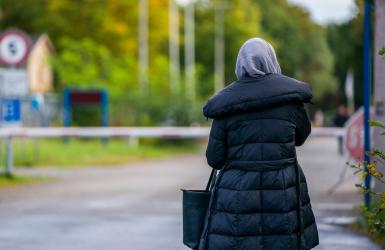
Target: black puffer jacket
[[257, 124]]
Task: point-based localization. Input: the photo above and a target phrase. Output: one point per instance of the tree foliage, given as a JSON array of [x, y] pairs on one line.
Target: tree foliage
[[301, 46], [381, 52], [346, 42], [97, 43], [242, 21]]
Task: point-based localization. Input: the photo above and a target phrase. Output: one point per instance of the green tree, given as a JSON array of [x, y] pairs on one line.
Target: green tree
[[346, 42], [301, 46], [247, 25], [96, 44]]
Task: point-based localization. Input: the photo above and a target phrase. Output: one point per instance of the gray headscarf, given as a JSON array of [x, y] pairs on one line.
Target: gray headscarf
[[256, 57]]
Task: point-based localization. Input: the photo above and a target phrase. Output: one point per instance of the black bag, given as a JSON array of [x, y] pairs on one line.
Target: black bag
[[195, 204]]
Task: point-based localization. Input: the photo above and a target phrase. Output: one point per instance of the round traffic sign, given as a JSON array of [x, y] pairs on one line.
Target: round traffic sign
[[353, 140], [354, 135], [13, 47]]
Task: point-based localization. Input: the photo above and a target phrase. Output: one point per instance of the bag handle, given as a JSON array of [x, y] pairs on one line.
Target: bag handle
[[210, 182], [213, 174]]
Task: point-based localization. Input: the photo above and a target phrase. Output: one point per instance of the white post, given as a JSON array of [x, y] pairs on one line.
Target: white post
[[143, 45], [9, 170], [379, 82], [189, 50], [173, 25], [133, 141], [349, 90], [219, 44]]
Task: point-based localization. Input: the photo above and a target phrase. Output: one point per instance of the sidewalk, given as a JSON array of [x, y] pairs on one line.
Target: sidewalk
[[138, 206]]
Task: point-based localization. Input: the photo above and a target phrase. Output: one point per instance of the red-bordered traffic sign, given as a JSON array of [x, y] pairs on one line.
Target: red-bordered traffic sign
[[353, 140], [14, 47], [354, 135]]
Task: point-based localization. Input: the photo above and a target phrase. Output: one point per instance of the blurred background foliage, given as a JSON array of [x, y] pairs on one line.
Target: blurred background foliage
[[96, 45]]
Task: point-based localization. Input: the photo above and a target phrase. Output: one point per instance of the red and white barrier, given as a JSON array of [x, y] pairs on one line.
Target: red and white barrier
[[130, 132], [138, 132], [327, 132]]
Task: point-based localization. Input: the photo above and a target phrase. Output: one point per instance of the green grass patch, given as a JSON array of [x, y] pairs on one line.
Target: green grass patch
[[7, 181], [92, 152]]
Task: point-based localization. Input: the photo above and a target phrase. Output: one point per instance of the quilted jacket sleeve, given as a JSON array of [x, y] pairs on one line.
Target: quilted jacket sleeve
[[303, 126], [216, 151]]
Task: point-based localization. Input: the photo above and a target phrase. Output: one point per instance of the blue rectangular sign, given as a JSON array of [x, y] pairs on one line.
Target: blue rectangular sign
[[10, 112]]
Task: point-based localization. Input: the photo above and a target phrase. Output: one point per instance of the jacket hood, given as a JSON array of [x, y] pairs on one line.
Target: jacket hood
[[253, 93]]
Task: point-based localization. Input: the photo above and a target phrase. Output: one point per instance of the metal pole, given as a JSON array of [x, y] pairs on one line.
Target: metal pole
[[105, 113], [67, 111], [9, 170], [143, 46], [173, 25], [67, 108], [104, 108], [219, 51], [189, 50], [367, 91]]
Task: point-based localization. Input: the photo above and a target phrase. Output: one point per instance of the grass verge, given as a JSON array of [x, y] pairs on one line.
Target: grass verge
[[7, 181], [92, 152]]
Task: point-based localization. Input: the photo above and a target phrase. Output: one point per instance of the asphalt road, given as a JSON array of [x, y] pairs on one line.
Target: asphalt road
[[138, 206]]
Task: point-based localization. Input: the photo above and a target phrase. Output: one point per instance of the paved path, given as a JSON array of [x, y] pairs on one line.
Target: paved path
[[139, 206]]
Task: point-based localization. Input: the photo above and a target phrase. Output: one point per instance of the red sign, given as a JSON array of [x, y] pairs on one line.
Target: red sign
[[354, 140], [86, 97], [354, 134]]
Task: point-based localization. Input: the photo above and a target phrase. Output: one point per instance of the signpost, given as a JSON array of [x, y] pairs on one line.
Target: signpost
[[14, 48], [75, 97]]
